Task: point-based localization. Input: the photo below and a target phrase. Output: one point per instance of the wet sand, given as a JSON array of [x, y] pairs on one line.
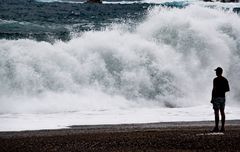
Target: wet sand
[[174, 136]]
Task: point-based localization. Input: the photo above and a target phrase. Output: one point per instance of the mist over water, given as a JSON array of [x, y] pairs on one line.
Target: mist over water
[[167, 60]]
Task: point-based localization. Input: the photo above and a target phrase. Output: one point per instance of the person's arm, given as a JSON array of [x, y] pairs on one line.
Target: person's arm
[[213, 91], [227, 86]]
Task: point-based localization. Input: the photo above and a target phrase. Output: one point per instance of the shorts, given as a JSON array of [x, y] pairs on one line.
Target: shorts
[[218, 103]]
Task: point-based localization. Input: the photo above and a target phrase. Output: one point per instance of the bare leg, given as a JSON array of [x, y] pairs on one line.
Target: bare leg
[[216, 112], [223, 119]]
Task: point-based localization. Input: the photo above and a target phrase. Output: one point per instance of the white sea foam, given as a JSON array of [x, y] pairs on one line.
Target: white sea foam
[[167, 61], [123, 116]]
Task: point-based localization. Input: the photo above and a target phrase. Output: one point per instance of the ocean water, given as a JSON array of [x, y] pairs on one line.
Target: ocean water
[[68, 63]]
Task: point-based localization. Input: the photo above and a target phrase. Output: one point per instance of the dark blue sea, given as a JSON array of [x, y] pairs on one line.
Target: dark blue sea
[[48, 20]]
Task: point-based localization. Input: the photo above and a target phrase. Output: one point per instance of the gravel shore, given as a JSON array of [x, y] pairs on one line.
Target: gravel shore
[[175, 136]]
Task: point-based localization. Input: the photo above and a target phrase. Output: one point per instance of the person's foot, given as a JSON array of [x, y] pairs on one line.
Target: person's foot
[[222, 129], [215, 129]]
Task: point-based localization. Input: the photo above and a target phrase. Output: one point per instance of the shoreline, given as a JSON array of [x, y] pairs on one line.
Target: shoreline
[[128, 127], [170, 136]]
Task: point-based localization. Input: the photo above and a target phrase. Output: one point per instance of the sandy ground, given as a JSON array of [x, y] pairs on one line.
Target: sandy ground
[[175, 136]]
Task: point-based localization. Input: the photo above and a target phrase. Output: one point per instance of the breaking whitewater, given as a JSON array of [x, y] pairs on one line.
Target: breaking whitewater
[[158, 70]]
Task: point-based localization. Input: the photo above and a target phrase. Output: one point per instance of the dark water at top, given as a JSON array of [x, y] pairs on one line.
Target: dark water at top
[[61, 20], [47, 21], [58, 20]]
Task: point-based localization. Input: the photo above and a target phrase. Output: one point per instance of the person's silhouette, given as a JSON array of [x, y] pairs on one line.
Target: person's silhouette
[[220, 87]]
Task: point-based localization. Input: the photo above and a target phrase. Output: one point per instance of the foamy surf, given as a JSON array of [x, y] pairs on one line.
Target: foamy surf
[[19, 122]]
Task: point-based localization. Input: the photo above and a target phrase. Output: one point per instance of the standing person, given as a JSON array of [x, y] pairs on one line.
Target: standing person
[[220, 87]]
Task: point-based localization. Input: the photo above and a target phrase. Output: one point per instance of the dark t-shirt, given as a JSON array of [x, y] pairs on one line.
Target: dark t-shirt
[[220, 87]]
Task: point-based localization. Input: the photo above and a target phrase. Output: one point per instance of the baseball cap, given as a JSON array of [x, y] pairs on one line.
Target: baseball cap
[[218, 69]]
